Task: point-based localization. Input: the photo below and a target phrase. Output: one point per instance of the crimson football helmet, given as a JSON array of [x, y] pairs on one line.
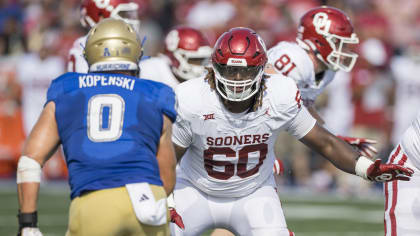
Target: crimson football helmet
[[327, 31], [238, 59], [93, 11], [189, 52]]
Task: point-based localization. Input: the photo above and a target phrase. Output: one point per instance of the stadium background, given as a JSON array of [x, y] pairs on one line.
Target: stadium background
[[376, 100]]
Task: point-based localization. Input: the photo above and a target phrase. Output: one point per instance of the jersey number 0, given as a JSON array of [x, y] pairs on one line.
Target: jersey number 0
[[105, 117]]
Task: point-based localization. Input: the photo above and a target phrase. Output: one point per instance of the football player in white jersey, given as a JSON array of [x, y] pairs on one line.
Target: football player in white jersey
[[187, 52], [92, 12], [402, 199], [322, 48], [405, 70], [225, 133]]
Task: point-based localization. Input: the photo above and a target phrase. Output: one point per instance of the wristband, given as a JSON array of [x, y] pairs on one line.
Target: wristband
[[28, 219], [362, 165], [170, 201]]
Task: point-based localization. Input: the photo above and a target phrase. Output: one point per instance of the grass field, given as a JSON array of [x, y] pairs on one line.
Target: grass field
[[306, 214]]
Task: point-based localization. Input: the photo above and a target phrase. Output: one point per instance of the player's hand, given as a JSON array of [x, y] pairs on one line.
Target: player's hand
[[176, 218], [388, 172], [364, 145], [278, 168], [28, 231]]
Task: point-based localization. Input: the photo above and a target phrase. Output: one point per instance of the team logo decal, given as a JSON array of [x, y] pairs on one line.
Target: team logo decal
[[322, 23], [106, 52], [208, 116]]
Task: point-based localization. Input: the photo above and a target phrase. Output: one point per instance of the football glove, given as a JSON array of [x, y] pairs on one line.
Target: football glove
[[376, 171], [363, 145], [30, 232], [176, 218]]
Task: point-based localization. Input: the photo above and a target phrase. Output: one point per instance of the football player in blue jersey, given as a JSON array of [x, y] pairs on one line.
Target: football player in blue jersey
[[116, 134]]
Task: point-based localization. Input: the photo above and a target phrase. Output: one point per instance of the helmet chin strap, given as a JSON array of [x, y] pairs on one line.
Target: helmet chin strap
[[319, 64]]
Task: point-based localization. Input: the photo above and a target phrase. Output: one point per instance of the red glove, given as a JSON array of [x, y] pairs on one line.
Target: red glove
[[388, 172], [175, 218], [364, 145], [376, 171], [278, 168]]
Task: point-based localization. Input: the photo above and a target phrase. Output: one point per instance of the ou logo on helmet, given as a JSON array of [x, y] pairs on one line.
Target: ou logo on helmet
[[322, 23], [101, 3]]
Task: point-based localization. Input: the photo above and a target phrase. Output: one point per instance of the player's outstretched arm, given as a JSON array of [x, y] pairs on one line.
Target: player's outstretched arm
[[344, 157], [363, 145], [42, 142], [166, 157]]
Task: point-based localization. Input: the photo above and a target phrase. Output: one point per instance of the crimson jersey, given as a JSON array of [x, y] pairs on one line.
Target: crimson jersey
[[229, 154]]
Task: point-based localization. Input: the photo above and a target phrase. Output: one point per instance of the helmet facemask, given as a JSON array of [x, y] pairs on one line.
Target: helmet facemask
[[341, 57], [191, 63], [237, 83]]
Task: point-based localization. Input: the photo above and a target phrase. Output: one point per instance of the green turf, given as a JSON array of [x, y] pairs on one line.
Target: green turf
[[323, 215]]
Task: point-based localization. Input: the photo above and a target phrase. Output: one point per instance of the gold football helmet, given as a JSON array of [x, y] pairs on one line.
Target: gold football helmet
[[113, 45]]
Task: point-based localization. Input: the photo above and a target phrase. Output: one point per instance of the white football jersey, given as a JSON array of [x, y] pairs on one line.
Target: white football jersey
[[158, 69], [407, 94], [230, 155], [77, 62], [35, 76], [291, 60], [410, 142]]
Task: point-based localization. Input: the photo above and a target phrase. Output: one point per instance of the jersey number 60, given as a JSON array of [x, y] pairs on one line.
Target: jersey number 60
[[105, 117], [242, 172]]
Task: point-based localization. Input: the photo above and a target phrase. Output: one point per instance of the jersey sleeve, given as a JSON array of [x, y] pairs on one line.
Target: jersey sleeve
[[301, 124], [290, 108], [167, 101], [182, 132], [54, 91], [309, 96]]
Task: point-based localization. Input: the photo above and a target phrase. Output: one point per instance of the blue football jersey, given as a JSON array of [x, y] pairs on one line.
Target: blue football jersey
[[110, 126]]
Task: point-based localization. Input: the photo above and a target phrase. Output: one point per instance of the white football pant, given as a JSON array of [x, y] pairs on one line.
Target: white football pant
[[402, 200], [257, 214]]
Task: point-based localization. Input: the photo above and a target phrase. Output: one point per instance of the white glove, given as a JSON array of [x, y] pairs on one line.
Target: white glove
[[30, 232]]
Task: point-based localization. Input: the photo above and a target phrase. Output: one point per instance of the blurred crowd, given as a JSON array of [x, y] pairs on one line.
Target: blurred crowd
[[377, 100]]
